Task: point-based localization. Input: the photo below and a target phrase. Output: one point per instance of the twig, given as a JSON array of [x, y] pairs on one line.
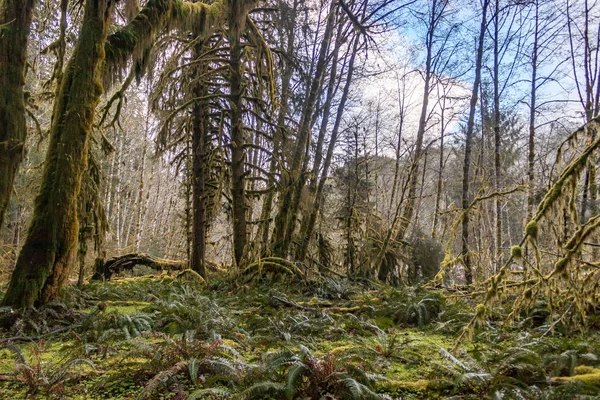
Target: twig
[[289, 303], [36, 338]]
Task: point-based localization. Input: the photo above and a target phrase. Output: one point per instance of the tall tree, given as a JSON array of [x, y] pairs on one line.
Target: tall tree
[[15, 23], [237, 21], [585, 54], [294, 180], [200, 134], [468, 146], [433, 20], [49, 251], [51, 245]]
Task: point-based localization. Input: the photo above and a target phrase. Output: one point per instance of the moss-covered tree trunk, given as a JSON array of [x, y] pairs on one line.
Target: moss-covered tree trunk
[[51, 245], [15, 21], [199, 139], [237, 21], [279, 139]]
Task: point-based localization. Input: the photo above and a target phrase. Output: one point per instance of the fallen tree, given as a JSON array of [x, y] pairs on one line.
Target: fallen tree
[[128, 261]]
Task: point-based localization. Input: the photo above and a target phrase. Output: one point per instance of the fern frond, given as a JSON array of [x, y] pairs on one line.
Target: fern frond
[[262, 389], [193, 369], [221, 366], [294, 378], [203, 393], [358, 391]]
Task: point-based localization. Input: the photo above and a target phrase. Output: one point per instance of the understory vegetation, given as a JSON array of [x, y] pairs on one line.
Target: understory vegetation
[[299, 199], [167, 337]]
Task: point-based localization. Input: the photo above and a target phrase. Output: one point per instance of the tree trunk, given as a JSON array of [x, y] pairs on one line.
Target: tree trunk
[[532, 105], [497, 166], [15, 18], [440, 175], [51, 245], [286, 217], [199, 133], [308, 224], [237, 20], [279, 135], [468, 145], [412, 189], [104, 270]]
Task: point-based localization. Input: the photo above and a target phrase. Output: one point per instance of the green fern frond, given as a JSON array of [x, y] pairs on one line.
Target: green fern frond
[[193, 369], [209, 393], [279, 359], [262, 389], [359, 391], [294, 378], [221, 366]]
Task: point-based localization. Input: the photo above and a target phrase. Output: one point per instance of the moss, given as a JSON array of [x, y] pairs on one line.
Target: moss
[[516, 252], [591, 376], [481, 311], [125, 307], [585, 370], [532, 229], [561, 265], [136, 38], [420, 385]]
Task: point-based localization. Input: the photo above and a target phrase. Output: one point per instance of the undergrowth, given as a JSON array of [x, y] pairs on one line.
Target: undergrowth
[[165, 338]]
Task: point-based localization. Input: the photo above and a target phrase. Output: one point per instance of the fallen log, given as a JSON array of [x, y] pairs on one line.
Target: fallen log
[[128, 261]]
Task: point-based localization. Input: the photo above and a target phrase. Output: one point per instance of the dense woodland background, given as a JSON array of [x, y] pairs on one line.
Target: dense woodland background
[[376, 138]]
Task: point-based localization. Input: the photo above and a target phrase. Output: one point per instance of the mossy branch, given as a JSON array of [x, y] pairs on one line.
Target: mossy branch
[[569, 175], [134, 40]]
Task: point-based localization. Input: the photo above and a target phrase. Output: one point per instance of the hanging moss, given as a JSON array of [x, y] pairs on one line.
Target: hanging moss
[[481, 311], [532, 229], [135, 40], [516, 252]]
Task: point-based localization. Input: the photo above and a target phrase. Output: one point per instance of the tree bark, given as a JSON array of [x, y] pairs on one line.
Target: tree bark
[[51, 245], [15, 17], [199, 133], [286, 217], [308, 224], [104, 270], [237, 20], [468, 145]]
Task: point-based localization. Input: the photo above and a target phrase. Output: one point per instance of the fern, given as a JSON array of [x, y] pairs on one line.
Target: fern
[[359, 391], [262, 389], [294, 376], [209, 393], [162, 379], [41, 376], [193, 369]]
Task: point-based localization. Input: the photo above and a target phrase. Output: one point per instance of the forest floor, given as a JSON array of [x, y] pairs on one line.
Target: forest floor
[[165, 338]]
